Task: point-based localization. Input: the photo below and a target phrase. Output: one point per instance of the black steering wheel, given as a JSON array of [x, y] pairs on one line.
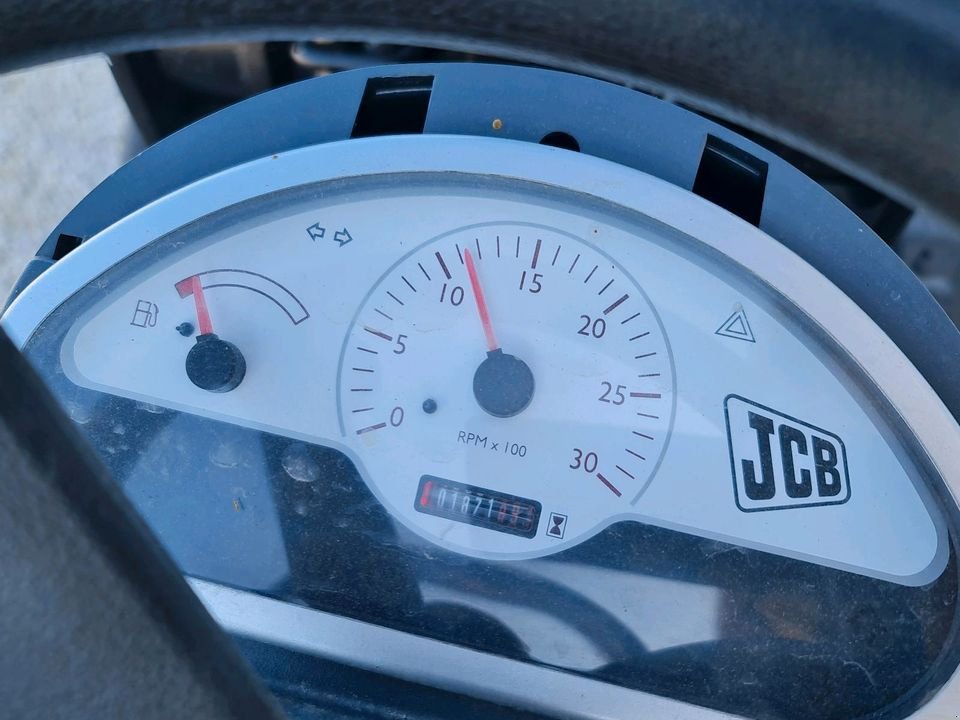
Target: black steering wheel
[[868, 87]]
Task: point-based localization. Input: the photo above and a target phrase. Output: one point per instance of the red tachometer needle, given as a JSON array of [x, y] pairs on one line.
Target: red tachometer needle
[[192, 286], [481, 302]]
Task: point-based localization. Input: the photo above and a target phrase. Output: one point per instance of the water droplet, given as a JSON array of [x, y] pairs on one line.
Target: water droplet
[[300, 465], [79, 412], [153, 409], [225, 455], [340, 484]]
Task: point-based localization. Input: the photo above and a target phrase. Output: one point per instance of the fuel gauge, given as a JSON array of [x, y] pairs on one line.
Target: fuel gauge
[[213, 363]]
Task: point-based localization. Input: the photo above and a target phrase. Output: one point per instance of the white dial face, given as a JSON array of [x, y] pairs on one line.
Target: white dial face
[[500, 376]]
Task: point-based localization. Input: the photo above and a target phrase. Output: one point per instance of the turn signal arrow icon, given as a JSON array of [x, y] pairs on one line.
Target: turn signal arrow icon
[[316, 232]]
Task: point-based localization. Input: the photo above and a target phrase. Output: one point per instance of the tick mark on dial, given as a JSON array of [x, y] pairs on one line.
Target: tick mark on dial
[[443, 265], [395, 297], [645, 355], [575, 260], [654, 396], [379, 334], [604, 289], [409, 284], [590, 275], [424, 271], [536, 254], [616, 303], [632, 317], [378, 426], [383, 313], [636, 455], [610, 485]]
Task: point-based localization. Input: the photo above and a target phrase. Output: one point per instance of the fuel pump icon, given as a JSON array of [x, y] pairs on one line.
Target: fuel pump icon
[[145, 314]]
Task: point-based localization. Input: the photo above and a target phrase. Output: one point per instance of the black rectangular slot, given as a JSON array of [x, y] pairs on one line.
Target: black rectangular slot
[[731, 178], [393, 106], [66, 244]]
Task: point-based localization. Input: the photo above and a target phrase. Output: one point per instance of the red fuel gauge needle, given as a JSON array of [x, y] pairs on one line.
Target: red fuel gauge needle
[[212, 364], [193, 286], [492, 344]]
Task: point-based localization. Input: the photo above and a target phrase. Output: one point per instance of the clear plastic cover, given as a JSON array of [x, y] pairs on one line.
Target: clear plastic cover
[[678, 484]]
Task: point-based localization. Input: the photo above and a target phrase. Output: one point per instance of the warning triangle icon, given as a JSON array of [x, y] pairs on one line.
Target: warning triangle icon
[[737, 327]]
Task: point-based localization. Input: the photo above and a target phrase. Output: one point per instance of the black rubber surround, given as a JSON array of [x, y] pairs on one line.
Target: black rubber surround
[[870, 87]]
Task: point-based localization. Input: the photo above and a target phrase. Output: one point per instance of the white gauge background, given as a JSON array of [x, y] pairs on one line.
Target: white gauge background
[[291, 383]]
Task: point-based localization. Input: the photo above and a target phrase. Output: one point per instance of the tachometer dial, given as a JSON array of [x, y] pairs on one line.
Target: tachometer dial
[[512, 386]]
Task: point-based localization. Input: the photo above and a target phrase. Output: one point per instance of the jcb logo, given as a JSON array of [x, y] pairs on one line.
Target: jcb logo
[[780, 462]]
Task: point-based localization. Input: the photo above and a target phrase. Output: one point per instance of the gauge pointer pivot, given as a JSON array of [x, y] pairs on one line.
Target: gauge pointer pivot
[[503, 384], [212, 364]]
